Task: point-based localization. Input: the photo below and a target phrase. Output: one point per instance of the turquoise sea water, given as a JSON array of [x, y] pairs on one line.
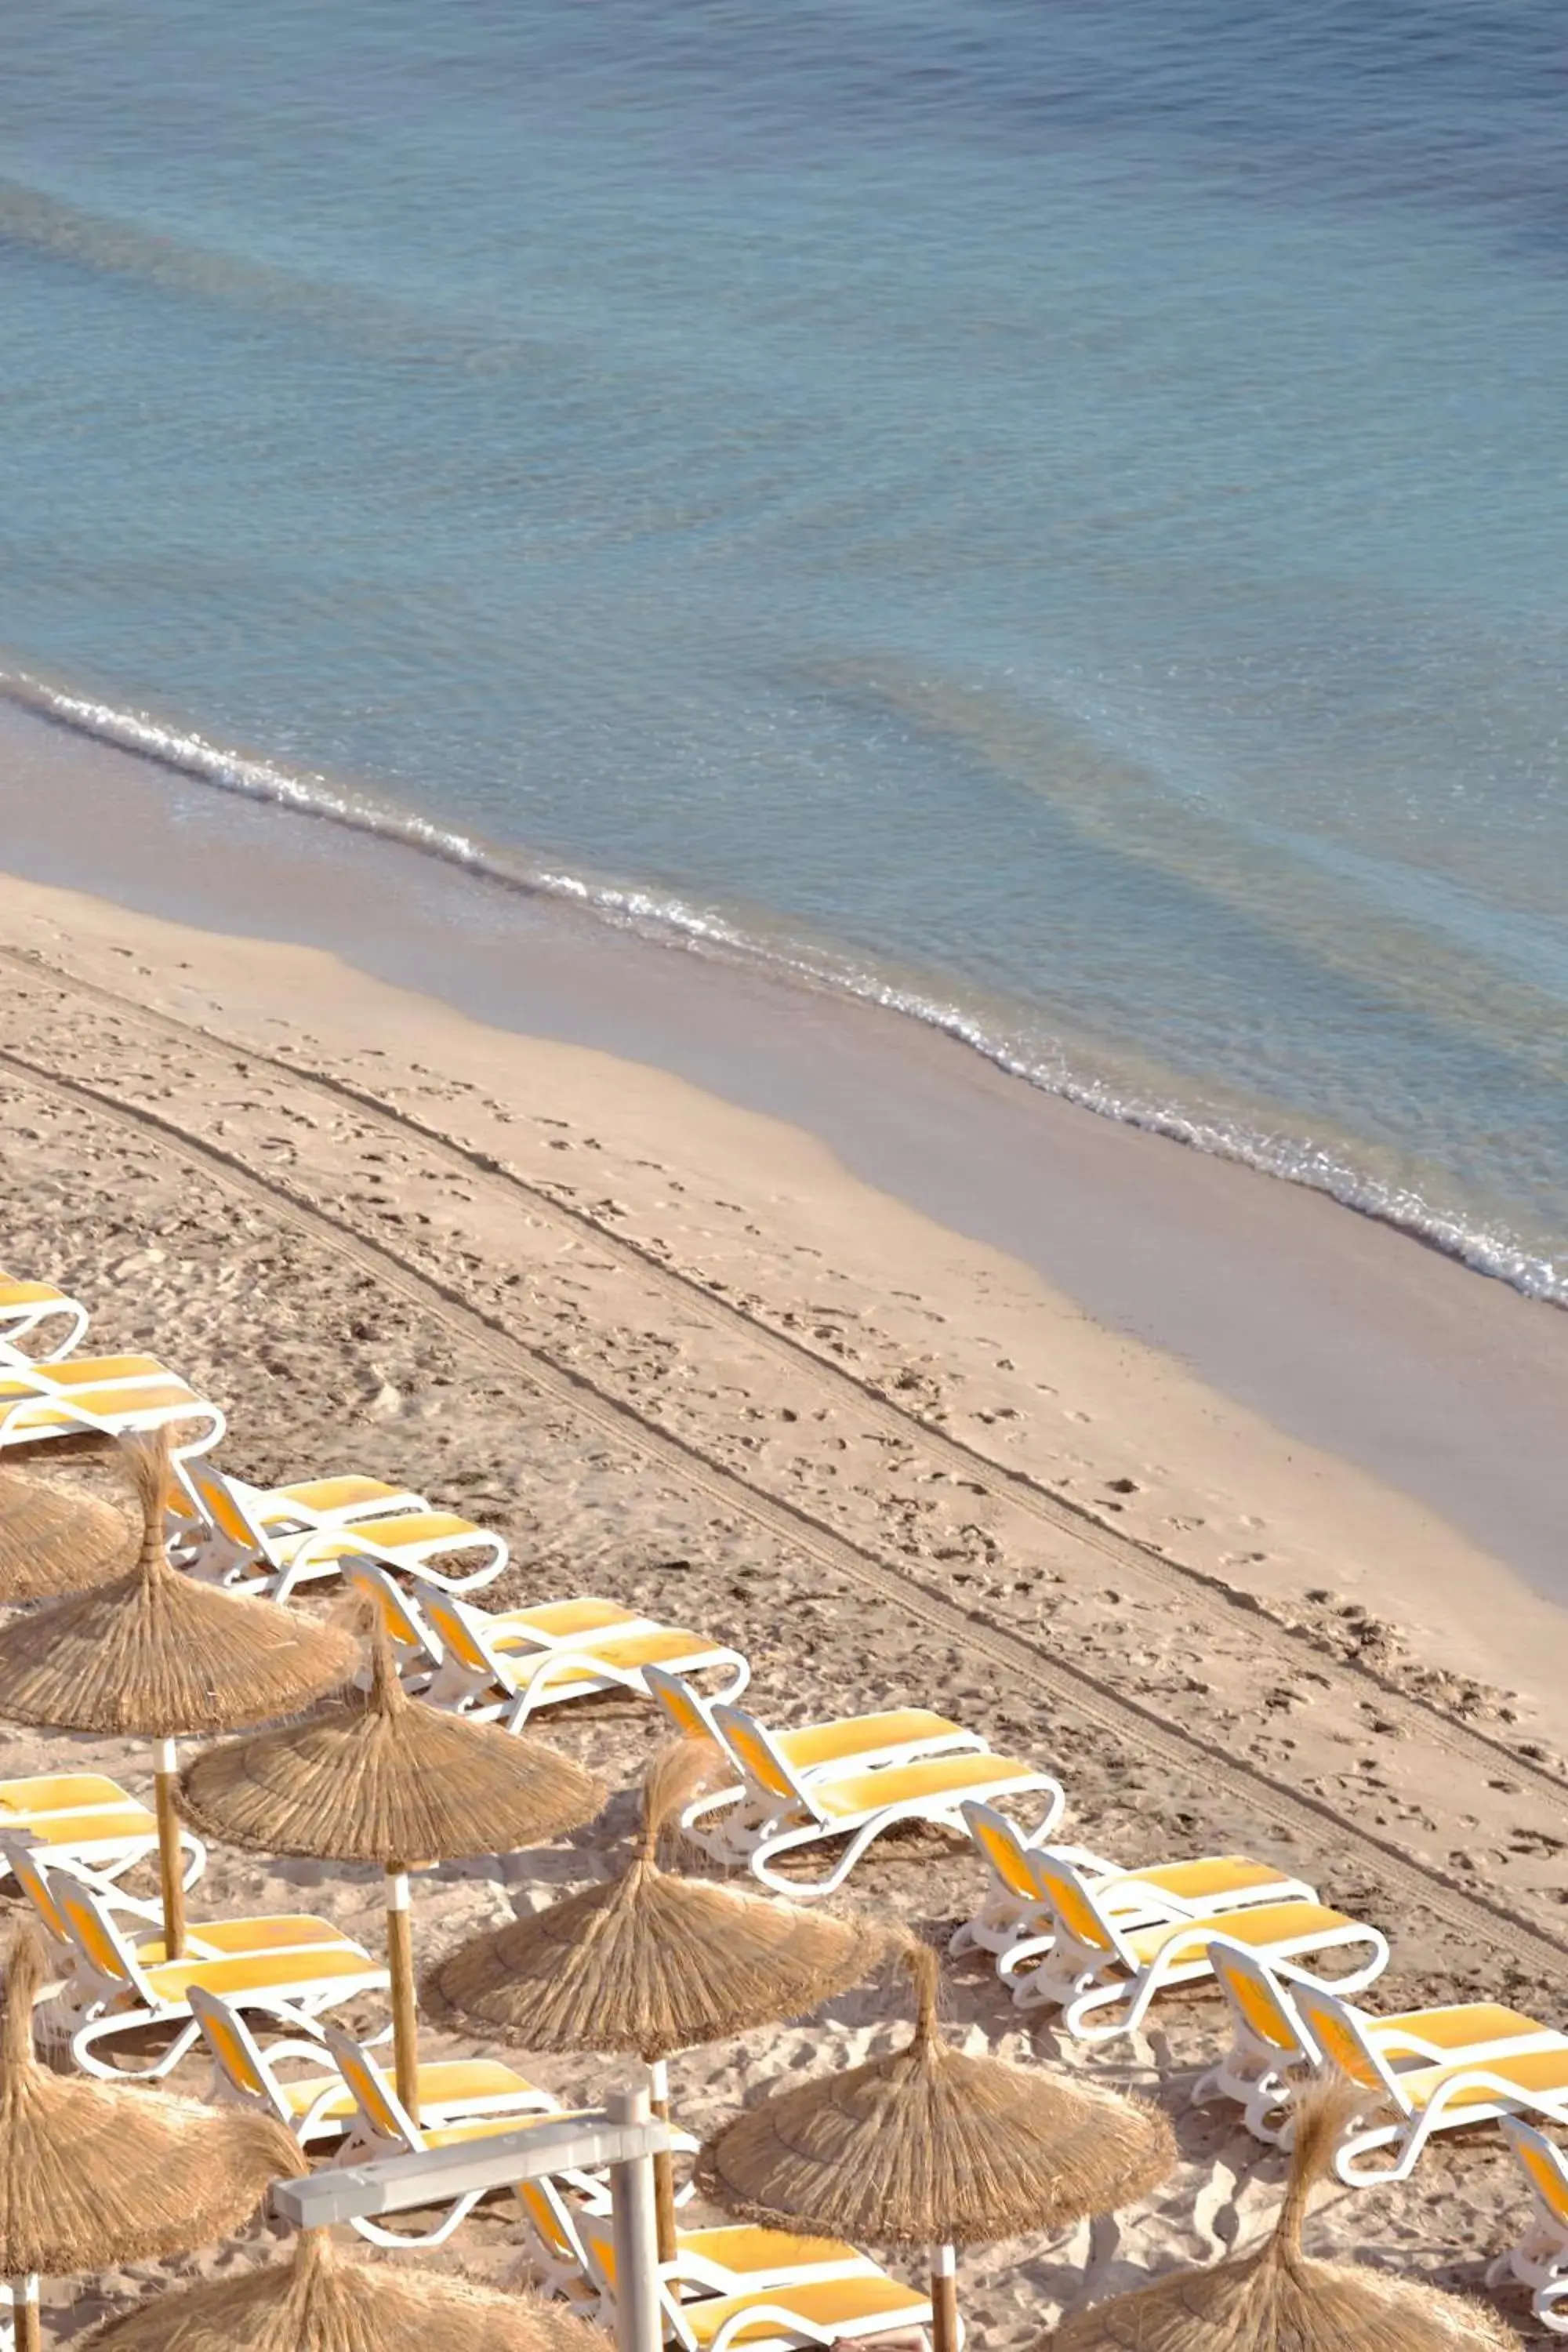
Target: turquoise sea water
[[1048, 513]]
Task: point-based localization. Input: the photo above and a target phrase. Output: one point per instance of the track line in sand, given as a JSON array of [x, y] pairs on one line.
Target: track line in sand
[[1207, 1597], [1296, 1812]]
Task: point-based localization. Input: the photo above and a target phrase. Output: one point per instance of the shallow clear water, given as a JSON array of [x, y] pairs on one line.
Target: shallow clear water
[[1048, 513]]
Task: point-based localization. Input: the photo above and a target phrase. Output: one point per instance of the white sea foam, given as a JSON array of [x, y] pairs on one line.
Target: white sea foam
[[708, 930]]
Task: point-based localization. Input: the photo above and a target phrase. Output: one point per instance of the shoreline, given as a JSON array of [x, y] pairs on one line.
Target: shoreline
[[1343, 1335], [1121, 1429], [659, 917]]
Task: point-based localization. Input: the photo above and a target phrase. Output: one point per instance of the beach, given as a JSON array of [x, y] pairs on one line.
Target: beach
[[780, 799], [682, 1350]]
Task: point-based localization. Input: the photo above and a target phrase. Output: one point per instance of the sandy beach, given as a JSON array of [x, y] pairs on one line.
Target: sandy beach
[[685, 1353]]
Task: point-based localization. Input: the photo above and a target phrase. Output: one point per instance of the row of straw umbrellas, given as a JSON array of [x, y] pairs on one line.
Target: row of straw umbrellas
[[926, 2146]]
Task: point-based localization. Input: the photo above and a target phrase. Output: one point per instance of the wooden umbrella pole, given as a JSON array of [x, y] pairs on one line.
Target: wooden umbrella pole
[[404, 2014], [28, 2335], [663, 2163], [166, 1779], [943, 2300]]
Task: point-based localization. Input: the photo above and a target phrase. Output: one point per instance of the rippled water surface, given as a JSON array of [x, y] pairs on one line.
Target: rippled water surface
[[1049, 512]]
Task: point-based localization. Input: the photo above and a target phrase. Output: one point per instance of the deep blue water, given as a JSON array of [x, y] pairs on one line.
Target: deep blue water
[[1051, 513]]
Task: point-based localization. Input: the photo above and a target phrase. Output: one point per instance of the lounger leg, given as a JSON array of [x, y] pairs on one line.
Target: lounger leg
[[526, 1697], [948, 1818], [103, 2029], [1055, 1805], [734, 1690], [1268, 2114], [810, 1890], [486, 1573], [1404, 2146], [1359, 1979], [1137, 1994], [1539, 2259], [76, 1330], [1237, 2076], [1027, 1948], [451, 2220], [995, 1928], [208, 1432], [1068, 1972]]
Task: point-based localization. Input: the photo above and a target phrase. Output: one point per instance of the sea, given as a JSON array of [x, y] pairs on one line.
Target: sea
[[1050, 515]]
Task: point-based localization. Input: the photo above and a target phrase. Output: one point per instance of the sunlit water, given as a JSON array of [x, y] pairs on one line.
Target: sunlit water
[[1051, 514]]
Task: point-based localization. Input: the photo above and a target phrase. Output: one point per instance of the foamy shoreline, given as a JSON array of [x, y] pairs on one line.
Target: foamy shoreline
[[1349, 1339], [662, 918]]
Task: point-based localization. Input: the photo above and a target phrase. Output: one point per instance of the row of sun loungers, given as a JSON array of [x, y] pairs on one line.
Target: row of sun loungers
[[290, 1971], [1091, 1940]]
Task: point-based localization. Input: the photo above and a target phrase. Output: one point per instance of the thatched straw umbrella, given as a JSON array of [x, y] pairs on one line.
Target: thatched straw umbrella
[[650, 1962], [93, 2173], [1278, 2300], [382, 1777], [56, 1537], [316, 2301], [930, 2147], [155, 1654]]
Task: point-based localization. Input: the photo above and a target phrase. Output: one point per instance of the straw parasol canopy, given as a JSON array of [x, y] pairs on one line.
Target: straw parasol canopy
[[379, 1777], [382, 1777], [927, 2146], [155, 1654], [316, 2301], [93, 2173], [56, 1537], [1277, 2299], [650, 1962]]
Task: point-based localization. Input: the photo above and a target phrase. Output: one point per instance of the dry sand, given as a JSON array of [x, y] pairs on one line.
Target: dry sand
[[679, 1355]]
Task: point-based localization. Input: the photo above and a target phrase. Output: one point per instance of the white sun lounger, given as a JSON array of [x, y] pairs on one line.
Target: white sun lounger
[[730, 2259], [292, 1968], [1405, 2105], [271, 1540], [1097, 1964], [842, 2307], [383, 2127], [1017, 1925], [719, 1821], [1274, 2054], [501, 1668], [91, 1822], [421, 1655], [316, 2106], [328, 2105], [789, 1811]]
